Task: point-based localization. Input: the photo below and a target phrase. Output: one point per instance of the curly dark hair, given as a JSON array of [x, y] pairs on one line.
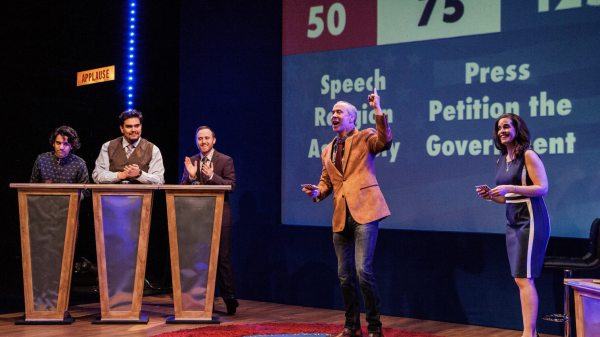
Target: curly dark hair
[[66, 131], [522, 137], [125, 115]]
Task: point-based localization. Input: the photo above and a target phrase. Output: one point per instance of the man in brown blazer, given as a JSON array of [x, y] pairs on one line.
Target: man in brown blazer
[[210, 167], [358, 205]]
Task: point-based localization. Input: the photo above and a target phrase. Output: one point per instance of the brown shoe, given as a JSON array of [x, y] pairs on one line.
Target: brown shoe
[[375, 334], [348, 333]]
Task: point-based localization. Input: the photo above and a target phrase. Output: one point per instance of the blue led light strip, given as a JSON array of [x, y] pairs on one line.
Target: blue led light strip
[[130, 53]]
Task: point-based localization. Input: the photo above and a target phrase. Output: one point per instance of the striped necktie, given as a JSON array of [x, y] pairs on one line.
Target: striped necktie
[[203, 161], [129, 150]]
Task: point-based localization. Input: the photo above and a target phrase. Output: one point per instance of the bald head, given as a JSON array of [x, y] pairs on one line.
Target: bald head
[[351, 109]]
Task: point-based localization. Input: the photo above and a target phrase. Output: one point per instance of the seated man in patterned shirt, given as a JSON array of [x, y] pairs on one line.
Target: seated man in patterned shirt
[[61, 165]]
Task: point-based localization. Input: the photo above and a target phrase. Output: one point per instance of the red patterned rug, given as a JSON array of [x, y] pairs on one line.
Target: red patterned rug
[[242, 330]]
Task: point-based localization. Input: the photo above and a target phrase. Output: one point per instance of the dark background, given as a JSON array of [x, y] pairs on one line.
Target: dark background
[[45, 44], [219, 64]]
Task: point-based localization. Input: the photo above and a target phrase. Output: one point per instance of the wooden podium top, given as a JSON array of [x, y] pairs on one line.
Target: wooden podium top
[[196, 187], [126, 186], [584, 284], [121, 186], [23, 185]]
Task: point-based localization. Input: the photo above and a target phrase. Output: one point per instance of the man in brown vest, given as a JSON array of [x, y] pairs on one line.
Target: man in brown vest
[[129, 159]]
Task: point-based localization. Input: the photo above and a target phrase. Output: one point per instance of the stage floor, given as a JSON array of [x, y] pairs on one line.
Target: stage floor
[[158, 308]]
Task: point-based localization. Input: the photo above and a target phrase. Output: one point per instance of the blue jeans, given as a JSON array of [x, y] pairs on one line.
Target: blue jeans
[[354, 247]]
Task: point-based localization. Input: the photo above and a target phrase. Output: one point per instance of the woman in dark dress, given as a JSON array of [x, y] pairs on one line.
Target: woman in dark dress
[[521, 183]]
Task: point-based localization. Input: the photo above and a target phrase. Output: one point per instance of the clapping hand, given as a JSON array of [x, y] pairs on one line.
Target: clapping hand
[[208, 170], [134, 170], [191, 168], [129, 171]]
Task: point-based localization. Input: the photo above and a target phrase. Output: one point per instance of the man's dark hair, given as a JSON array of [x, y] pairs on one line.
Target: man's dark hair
[[522, 138], [205, 128], [125, 115], [68, 132]]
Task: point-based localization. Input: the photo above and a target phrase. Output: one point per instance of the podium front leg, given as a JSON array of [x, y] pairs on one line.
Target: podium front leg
[[122, 221]]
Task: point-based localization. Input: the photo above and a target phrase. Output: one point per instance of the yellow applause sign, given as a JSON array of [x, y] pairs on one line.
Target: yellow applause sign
[[96, 75]]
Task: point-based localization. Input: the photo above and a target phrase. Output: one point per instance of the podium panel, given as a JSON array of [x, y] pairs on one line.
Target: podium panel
[[195, 221], [48, 223], [195, 214], [121, 217], [122, 221], [47, 229]]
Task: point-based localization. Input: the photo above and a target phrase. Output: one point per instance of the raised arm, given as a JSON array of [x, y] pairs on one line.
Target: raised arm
[[382, 140]]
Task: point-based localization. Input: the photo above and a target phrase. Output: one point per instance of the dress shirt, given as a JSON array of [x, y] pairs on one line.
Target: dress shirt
[[48, 168], [155, 174]]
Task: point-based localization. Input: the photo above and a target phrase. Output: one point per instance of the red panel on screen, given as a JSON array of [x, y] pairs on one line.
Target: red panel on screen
[[320, 25]]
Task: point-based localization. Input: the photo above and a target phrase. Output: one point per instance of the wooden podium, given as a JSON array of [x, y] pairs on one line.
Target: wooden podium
[[122, 220], [587, 306], [48, 216], [194, 214]]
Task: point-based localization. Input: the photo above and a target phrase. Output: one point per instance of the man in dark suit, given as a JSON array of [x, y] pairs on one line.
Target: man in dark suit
[[210, 167]]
